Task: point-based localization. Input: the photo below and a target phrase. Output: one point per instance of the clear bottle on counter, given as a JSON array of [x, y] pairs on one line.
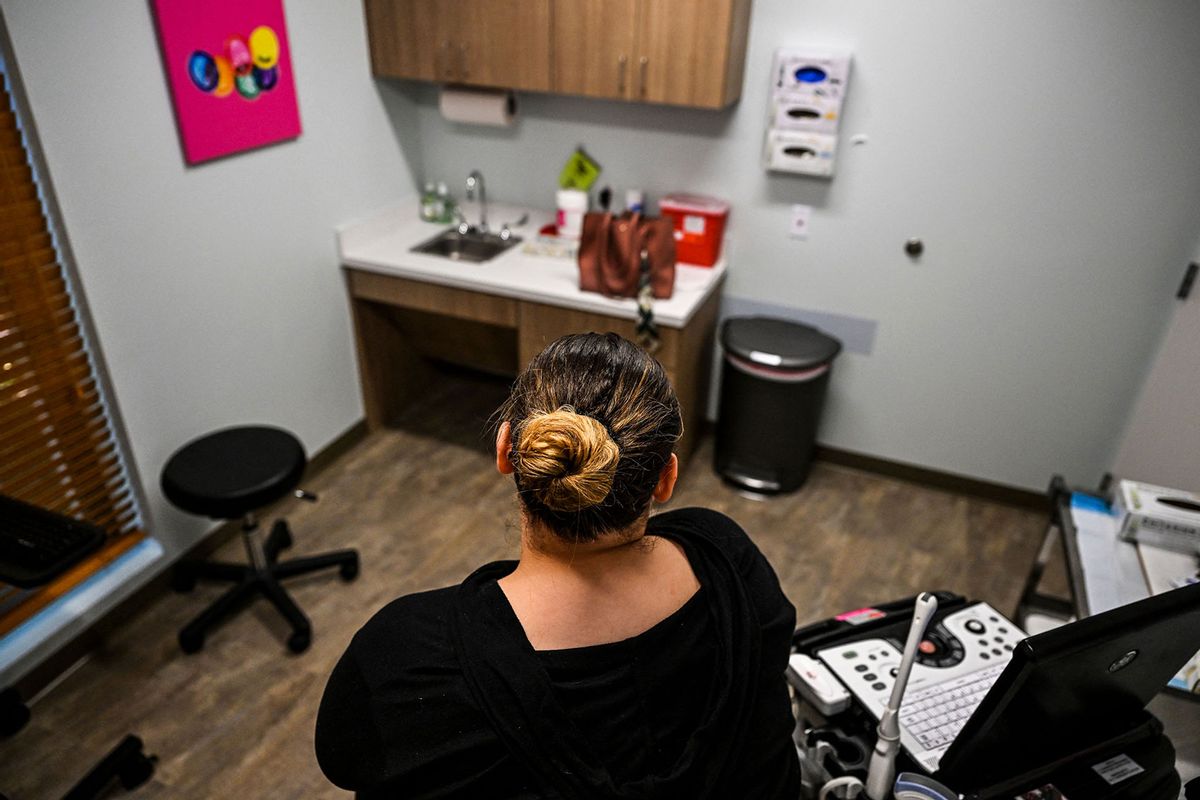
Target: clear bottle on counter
[[430, 212], [446, 203]]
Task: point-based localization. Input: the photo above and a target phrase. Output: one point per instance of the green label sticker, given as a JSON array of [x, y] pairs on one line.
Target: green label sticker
[[580, 172]]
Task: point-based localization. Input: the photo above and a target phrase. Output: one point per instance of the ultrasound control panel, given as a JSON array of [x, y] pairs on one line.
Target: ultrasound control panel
[[962, 642], [964, 651]]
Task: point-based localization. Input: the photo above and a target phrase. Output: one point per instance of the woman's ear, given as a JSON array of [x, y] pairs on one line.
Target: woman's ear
[[666, 480], [503, 446]]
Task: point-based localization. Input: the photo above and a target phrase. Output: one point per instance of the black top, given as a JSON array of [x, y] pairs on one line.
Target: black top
[[441, 694]]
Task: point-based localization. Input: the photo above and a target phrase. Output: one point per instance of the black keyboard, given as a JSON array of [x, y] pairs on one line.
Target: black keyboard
[[36, 544]]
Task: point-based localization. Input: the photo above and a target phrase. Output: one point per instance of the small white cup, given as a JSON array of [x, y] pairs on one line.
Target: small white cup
[[572, 205]]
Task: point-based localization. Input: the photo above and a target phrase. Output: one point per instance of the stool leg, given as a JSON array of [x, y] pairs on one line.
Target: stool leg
[[301, 629], [191, 636], [346, 560], [279, 539], [219, 571]]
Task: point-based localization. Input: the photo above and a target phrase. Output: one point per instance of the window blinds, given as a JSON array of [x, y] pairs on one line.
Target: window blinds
[[57, 446]]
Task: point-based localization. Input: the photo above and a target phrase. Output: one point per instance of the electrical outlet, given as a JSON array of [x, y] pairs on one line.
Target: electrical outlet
[[800, 218]]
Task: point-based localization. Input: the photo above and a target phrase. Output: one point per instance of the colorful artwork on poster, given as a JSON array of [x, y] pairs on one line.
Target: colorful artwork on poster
[[230, 72]]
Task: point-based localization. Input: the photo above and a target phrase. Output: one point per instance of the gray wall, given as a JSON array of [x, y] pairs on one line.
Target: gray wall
[[1162, 439], [214, 289], [1046, 153]]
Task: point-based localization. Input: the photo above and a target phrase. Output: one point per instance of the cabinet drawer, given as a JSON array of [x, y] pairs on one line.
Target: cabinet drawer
[[444, 300], [542, 324]]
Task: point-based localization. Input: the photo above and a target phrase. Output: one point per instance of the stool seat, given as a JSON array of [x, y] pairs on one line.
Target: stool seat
[[233, 472]]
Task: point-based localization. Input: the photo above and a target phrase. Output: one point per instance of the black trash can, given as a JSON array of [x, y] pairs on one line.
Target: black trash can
[[775, 375]]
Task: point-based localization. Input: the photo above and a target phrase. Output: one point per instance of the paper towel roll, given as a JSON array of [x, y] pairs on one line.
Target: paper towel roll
[[494, 107]]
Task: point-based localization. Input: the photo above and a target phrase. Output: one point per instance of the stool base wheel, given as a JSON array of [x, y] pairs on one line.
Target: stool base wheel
[[299, 641], [191, 641], [13, 712]]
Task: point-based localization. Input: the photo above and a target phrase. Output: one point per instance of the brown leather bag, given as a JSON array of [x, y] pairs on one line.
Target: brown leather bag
[[610, 254]]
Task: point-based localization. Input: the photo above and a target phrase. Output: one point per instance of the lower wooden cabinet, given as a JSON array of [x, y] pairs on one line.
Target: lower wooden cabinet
[[400, 323]]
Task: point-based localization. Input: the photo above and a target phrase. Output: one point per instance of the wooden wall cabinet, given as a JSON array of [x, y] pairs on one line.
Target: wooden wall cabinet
[[675, 52], [399, 48], [502, 43], [692, 52], [595, 47]]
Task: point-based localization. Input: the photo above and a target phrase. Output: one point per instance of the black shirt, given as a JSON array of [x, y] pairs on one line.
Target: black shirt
[[441, 695]]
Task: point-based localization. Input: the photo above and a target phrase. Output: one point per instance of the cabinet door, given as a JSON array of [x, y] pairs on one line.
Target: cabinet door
[[541, 324], [594, 43], [504, 43], [685, 51], [408, 39]]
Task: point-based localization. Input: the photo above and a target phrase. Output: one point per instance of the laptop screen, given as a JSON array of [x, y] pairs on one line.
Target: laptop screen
[[1075, 687]]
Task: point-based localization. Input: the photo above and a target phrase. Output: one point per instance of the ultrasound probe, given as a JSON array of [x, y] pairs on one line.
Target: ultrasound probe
[[882, 771]]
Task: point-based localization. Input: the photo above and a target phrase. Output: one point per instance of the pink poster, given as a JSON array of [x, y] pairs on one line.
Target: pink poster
[[230, 71]]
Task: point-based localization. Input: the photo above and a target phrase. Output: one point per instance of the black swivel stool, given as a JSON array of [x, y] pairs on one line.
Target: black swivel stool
[[230, 474]]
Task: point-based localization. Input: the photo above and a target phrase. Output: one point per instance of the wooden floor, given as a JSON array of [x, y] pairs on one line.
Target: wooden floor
[[424, 506]]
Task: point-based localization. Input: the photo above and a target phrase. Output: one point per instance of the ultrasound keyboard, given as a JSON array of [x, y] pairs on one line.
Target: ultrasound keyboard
[[960, 658], [936, 715]]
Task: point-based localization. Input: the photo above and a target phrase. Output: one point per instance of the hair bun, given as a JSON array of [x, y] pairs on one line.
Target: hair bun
[[566, 460]]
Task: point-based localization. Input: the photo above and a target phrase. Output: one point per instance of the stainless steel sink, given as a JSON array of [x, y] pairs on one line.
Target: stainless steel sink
[[473, 247]]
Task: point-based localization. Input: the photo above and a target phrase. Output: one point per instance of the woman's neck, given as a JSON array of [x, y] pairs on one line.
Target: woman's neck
[[544, 551], [574, 595]]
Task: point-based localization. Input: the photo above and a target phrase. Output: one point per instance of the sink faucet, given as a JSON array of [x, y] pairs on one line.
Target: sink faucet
[[475, 179]]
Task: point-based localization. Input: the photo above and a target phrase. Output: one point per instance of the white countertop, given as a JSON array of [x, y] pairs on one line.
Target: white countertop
[[382, 243]]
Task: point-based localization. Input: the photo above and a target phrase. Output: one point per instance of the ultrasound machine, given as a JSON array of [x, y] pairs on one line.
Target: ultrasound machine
[[982, 710]]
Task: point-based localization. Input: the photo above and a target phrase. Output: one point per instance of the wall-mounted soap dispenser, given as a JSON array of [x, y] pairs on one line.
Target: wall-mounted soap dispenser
[[807, 89]]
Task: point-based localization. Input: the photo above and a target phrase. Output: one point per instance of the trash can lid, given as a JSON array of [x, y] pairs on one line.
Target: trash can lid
[[778, 343]]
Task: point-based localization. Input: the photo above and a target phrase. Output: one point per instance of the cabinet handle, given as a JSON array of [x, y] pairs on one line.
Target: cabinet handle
[[642, 64], [622, 66], [464, 70], [443, 66]]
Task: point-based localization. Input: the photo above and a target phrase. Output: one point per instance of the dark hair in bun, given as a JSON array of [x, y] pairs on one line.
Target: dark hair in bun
[[593, 420]]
